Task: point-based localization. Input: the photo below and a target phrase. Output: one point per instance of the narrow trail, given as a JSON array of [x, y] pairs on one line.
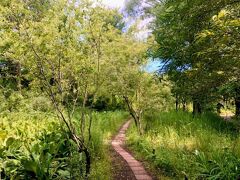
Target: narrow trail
[[136, 166]]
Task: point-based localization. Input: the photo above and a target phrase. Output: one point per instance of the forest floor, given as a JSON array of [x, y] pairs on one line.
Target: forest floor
[[125, 166]]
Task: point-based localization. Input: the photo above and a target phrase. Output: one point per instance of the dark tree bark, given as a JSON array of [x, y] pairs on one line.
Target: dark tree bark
[[184, 105], [197, 108], [237, 102], [18, 76], [177, 103], [135, 115], [237, 105], [88, 162]]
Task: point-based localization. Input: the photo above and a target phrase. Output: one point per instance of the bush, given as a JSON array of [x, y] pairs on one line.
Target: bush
[[41, 104]]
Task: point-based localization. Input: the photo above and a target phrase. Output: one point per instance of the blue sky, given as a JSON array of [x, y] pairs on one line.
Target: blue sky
[[152, 66]]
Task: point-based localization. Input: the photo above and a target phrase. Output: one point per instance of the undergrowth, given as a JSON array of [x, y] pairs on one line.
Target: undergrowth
[[180, 146], [34, 145]]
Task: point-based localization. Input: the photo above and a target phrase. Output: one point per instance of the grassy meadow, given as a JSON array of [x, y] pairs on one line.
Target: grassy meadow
[[179, 146]]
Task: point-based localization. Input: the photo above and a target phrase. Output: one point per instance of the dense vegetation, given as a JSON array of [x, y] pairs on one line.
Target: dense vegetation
[[62, 62], [71, 72], [197, 43], [180, 146], [34, 145]]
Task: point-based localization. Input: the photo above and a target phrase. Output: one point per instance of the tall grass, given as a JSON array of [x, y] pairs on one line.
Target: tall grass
[[204, 147], [105, 125]]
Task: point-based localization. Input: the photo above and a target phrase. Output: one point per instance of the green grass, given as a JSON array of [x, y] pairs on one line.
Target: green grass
[[106, 125], [33, 146], [179, 145]]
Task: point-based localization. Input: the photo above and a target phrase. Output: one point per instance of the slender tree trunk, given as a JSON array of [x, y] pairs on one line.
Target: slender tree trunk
[[177, 103], [237, 106], [140, 128], [18, 76], [134, 115], [237, 102], [88, 163], [197, 109], [139, 117], [184, 104], [137, 121]]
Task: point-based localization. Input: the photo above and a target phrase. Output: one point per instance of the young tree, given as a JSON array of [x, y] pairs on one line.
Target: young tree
[[127, 79], [63, 45]]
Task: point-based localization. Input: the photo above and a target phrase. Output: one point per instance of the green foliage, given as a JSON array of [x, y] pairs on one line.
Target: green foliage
[[24, 101], [41, 104], [38, 148], [198, 44], [31, 149], [71, 51], [68, 49], [204, 147]]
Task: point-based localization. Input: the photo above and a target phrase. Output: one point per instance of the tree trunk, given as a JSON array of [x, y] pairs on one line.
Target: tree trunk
[[197, 109], [18, 76], [88, 163], [237, 101], [140, 130], [134, 114], [137, 122], [184, 105], [237, 105], [177, 103]]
